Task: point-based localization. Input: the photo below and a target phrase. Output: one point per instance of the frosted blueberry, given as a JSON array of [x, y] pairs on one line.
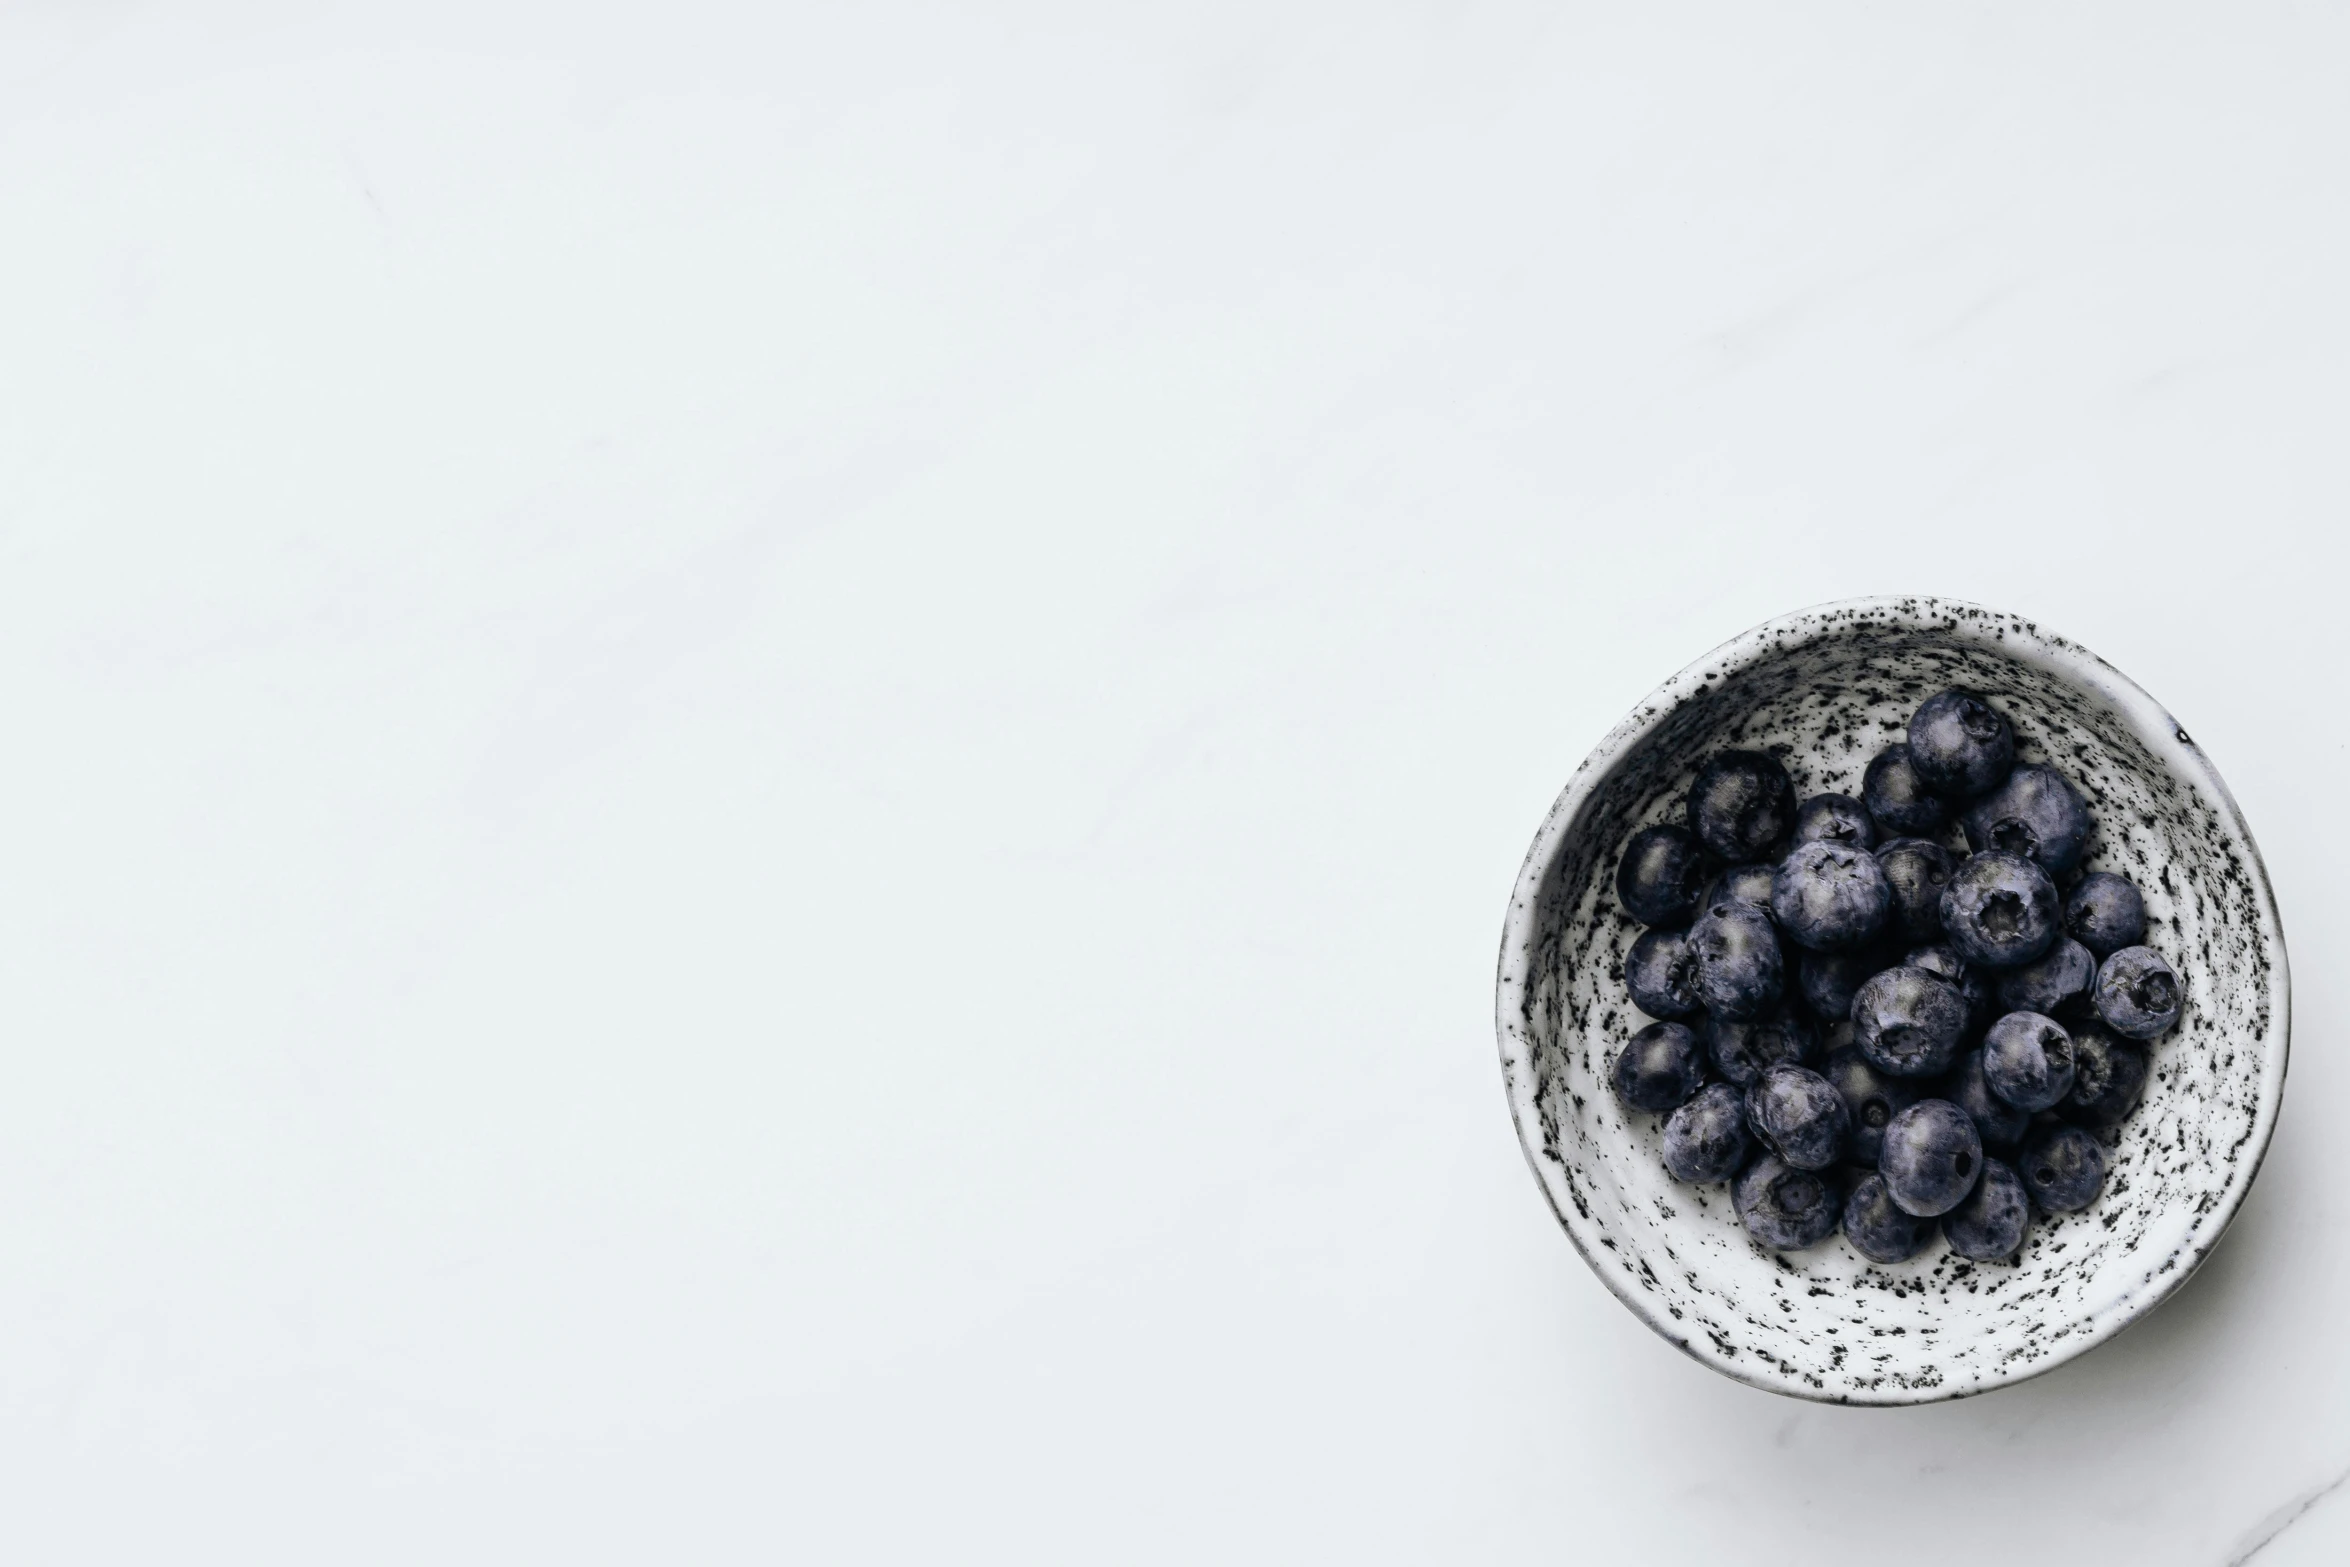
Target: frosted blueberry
[[1663, 870], [1657, 971], [1898, 799], [1834, 818], [1871, 1100], [1908, 1022], [1999, 909], [2055, 983], [2137, 994], [1705, 1140], [1933, 1156], [1828, 896], [1741, 1049], [2036, 813], [1742, 807], [2105, 913], [1736, 969], [2064, 1167], [1877, 1227], [1989, 1226], [1916, 870], [1798, 1116], [2028, 1061], [1960, 746], [2109, 1076], [1659, 1067], [1783, 1208]]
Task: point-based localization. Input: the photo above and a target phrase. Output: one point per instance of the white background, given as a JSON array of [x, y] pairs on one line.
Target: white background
[[762, 761]]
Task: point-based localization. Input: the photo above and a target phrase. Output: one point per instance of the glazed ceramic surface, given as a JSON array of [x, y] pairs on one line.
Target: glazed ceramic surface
[[1824, 690]]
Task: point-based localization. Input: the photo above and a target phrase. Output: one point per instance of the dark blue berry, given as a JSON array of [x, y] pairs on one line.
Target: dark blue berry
[[1989, 1226], [1916, 870], [2056, 983], [1830, 897], [2137, 994], [1658, 971], [1908, 1022], [2028, 1061], [1798, 1116], [1741, 884], [1871, 1100], [2106, 913], [2064, 1168], [1933, 1156], [1941, 960], [1742, 1048], [2036, 813], [1659, 1067], [2109, 1075], [1877, 1227], [1663, 870], [1827, 980], [2001, 1124], [1784, 1208], [1898, 799], [1960, 746], [1999, 909], [1705, 1140], [1737, 971], [1834, 818], [1742, 807]]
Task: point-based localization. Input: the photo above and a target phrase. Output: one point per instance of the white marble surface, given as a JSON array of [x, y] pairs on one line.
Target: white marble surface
[[763, 759]]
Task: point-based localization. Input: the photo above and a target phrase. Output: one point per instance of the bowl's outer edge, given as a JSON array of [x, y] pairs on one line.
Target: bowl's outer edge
[[2016, 637]]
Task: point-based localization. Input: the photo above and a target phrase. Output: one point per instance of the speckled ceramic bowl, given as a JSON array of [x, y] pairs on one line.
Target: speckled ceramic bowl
[[1826, 689]]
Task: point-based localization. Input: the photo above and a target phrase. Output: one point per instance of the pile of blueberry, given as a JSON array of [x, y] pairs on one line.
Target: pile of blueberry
[[1867, 1028]]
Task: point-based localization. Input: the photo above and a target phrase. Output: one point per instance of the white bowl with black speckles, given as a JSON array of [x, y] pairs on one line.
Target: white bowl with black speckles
[[1825, 689]]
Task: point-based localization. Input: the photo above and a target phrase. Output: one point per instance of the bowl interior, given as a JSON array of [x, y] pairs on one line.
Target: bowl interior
[[1824, 691]]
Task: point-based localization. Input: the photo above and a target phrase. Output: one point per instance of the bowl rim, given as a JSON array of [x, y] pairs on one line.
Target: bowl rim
[[2012, 636]]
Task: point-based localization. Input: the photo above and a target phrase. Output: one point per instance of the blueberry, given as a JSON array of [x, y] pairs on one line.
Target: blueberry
[[1742, 806], [2038, 814], [1834, 818], [2109, 1075], [1827, 980], [1999, 909], [1877, 1228], [1871, 1099], [1941, 960], [2001, 1124], [1736, 970], [1662, 872], [2028, 1061], [1829, 896], [1909, 1023], [2065, 1169], [1960, 746], [1742, 884], [1705, 1140], [1917, 870], [1785, 1208], [1989, 1225], [2106, 913], [2056, 983], [1933, 1156], [1798, 1115], [1899, 799], [1659, 1067], [2137, 994], [1741, 1048], [1658, 972]]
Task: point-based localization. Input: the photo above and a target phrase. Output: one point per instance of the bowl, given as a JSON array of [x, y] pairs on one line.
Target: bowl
[[1825, 689]]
